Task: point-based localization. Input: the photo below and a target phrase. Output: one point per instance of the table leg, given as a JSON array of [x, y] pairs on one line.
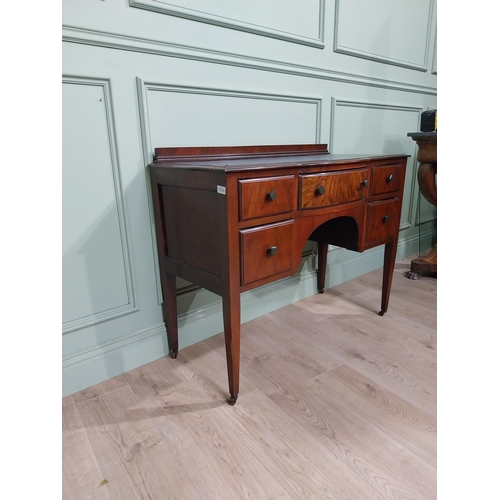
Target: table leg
[[321, 271], [231, 313], [169, 309], [389, 263]]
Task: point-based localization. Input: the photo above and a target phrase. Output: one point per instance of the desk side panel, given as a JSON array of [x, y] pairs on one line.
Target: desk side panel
[[193, 227], [188, 209]]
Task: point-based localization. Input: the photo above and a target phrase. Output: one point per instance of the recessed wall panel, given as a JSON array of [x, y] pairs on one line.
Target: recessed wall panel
[[390, 31], [370, 128], [299, 21], [196, 117], [95, 280]]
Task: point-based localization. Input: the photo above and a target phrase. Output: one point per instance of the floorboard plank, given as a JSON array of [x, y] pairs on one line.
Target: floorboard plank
[[404, 422], [200, 364], [296, 459], [132, 453], [100, 389], [335, 402], [387, 369], [386, 465], [216, 461], [82, 478]]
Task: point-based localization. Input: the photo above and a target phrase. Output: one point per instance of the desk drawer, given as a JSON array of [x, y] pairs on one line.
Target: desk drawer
[[266, 251], [387, 179], [266, 196], [383, 220], [333, 188]]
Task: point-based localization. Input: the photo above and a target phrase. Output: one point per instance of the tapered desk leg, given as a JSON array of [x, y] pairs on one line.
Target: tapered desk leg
[[231, 313], [389, 263], [321, 271], [169, 309]]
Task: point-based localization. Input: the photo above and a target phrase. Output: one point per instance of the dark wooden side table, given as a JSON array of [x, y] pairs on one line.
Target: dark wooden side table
[[427, 156], [231, 219]]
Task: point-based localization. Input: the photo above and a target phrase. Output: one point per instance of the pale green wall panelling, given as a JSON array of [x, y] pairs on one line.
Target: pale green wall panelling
[[96, 268], [223, 117], [298, 22], [376, 129], [231, 118], [373, 30], [216, 77]]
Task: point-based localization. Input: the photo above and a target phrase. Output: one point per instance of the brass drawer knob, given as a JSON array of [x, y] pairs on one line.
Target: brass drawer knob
[[272, 250], [390, 178], [320, 191], [272, 195], [364, 183], [385, 219]]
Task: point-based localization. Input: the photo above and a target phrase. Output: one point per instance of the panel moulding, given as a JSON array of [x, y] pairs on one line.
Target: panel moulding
[[131, 307], [434, 56], [134, 44], [352, 51], [389, 107], [148, 148], [234, 24]]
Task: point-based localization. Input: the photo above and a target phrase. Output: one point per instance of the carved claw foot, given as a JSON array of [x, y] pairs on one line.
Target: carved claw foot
[[173, 354], [413, 275], [232, 400]]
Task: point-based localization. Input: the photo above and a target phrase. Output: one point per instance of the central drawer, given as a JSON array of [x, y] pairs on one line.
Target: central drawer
[[333, 188], [266, 251]]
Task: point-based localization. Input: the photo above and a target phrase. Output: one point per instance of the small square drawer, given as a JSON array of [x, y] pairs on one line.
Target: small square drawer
[[266, 196], [333, 188], [266, 251], [387, 179], [383, 220]]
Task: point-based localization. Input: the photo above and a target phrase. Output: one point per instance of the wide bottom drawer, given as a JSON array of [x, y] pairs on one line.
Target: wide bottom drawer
[[266, 251]]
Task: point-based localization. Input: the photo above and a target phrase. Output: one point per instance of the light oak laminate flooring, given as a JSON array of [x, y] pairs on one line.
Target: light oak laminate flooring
[[336, 402]]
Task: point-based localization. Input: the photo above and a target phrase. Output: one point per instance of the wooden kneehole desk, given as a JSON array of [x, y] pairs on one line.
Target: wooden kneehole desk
[[230, 219]]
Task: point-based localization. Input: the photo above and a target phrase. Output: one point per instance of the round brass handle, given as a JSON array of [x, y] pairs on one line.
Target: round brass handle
[[385, 218], [390, 178], [364, 183], [272, 250], [320, 191], [272, 195]]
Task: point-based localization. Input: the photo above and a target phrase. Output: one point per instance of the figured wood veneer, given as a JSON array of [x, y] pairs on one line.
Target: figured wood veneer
[[266, 196], [338, 187], [231, 219]]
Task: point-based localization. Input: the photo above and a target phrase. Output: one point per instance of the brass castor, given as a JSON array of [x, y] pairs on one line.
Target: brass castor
[[381, 313], [173, 354], [232, 400]]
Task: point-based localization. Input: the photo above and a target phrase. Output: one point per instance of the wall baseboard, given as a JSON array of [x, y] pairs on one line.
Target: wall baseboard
[[115, 358]]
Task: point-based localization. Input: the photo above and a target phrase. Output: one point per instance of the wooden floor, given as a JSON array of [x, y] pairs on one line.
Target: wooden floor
[[336, 402]]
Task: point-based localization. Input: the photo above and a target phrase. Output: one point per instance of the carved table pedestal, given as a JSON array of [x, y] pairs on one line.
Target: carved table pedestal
[[427, 156]]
